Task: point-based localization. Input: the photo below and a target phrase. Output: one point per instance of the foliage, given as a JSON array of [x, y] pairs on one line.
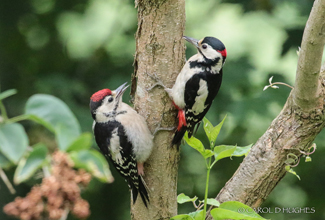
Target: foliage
[[54, 115], [226, 210], [70, 49]]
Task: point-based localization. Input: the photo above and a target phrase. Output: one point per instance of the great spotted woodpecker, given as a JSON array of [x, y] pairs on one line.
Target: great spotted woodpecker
[[122, 136], [197, 84]]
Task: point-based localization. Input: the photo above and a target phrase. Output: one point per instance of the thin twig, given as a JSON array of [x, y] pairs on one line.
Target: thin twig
[[6, 181]]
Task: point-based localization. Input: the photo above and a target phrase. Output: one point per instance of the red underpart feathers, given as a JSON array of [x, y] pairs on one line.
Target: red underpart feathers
[[181, 117]]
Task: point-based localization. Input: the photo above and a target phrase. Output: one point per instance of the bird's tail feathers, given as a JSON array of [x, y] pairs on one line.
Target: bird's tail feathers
[[141, 188], [178, 136]]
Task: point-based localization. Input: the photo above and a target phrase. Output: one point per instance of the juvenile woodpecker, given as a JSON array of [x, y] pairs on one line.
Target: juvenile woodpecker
[[197, 84], [123, 136]]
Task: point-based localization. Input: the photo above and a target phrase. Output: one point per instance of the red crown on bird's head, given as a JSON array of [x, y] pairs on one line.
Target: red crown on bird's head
[[100, 95]]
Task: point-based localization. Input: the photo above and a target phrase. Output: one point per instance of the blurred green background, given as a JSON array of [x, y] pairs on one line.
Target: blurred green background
[[71, 49]]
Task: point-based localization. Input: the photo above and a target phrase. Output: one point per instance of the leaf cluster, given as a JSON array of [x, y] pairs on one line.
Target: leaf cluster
[[56, 116], [226, 210]]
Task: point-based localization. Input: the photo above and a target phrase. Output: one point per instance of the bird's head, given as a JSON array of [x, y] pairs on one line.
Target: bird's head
[[106, 101], [211, 48]]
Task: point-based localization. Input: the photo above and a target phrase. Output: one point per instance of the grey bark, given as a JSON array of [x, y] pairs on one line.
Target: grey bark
[[159, 50]]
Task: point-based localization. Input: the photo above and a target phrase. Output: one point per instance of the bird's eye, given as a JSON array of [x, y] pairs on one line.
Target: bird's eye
[[110, 99], [204, 46]]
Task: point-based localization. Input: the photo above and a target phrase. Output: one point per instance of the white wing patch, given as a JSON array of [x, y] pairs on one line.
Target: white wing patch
[[115, 148], [202, 95]]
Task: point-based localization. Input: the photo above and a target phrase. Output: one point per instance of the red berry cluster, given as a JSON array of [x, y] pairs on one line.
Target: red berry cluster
[[57, 194]]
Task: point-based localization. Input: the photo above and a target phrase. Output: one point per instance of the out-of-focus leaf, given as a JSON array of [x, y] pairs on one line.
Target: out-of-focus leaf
[[83, 142], [7, 93], [197, 145], [182, 217], [29, 165], [182, 198], [4, 162], [223, 151], [13, 141], [235, 210], [93, 162], [53, 113], [198, 215]]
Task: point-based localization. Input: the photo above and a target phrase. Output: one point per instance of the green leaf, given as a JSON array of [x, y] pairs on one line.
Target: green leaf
[[241, 151], [56, 116], [182, 198], [4, 162], [290, 170], [29, 165], [213, 202], [235, 210], [208, 128], [216, 130], [194, 143], [197, 145], [93, 162], [13, 141], [182, 217], [198, 215], [83, 142], [223, 151], [41, 121], [7, 93]]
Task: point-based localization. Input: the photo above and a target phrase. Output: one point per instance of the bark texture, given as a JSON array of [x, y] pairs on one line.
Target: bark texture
[[160, 51], [294, 129]]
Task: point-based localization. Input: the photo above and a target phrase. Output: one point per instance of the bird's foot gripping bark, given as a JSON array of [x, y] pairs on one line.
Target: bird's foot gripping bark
[[160, 128], [158, 82]]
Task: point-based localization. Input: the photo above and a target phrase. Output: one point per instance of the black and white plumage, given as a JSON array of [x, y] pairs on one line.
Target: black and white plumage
[[122, 136], [197, 84]]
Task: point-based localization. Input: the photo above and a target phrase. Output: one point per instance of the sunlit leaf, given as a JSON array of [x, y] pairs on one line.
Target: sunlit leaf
[[55, 115], [93, 162], [208, 128], [7, 93], [83, 142], [13, 141], [290, 170], [182, 198], [197, 145], [194, 143], [223, 151], [29, 165], [241, 151], [216, 130], [235, 210]]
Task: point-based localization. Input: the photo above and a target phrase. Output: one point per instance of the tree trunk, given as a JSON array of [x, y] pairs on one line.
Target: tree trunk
[[160, 51], [293, 130]]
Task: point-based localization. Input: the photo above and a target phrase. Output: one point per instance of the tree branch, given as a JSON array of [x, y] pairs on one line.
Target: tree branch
[[159, 50], [307, 90], [294, 129]]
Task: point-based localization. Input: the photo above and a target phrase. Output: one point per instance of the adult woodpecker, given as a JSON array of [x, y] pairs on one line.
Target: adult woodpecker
[[197, 84], [123, 136]]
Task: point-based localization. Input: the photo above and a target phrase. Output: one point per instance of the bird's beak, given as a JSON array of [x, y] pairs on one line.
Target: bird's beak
[[120, 90], [193, 41]]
